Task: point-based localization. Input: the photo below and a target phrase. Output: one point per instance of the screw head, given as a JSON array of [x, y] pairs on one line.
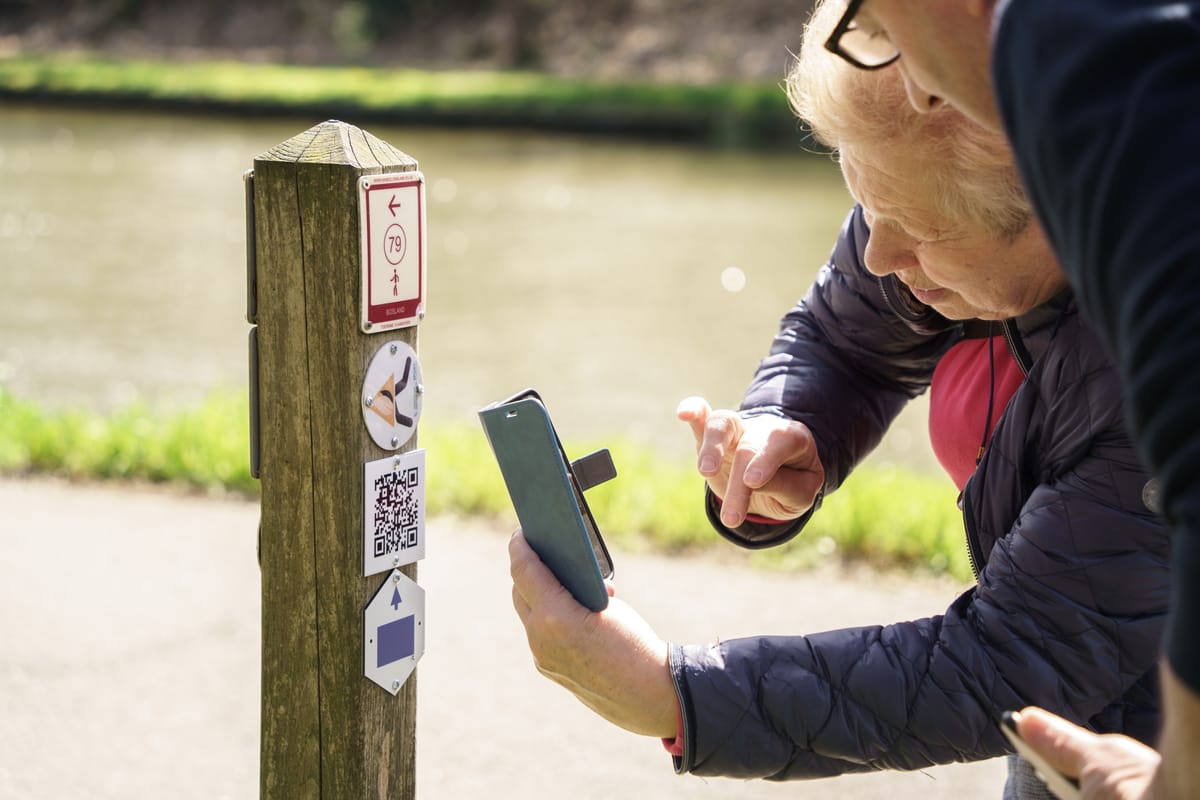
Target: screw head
[[368, 401], [392, 348], [395, 441], [395, 685]]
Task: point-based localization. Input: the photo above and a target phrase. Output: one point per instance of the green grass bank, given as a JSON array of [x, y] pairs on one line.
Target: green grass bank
[[731, 114], [890, 518]]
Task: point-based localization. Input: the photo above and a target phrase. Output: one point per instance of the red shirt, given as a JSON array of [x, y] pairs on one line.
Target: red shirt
[[958, 402]]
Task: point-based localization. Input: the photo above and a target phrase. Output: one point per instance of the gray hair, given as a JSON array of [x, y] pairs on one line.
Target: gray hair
[[853, 110]]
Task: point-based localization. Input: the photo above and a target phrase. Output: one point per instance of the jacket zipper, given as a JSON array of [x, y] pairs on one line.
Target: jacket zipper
[[975, 559], [1016, 348], [673, 656]]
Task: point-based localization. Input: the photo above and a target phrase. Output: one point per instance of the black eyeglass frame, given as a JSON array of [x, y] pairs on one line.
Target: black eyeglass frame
[[834, 43]]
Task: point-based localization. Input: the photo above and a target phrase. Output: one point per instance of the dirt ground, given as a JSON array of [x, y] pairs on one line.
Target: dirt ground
[[130, 668]]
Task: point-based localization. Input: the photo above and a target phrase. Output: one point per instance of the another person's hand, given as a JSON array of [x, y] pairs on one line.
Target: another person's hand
[[761, 465], [1109, 767], [611, 660]]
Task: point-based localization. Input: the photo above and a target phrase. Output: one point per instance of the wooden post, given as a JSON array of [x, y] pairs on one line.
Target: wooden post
[[327, 731]]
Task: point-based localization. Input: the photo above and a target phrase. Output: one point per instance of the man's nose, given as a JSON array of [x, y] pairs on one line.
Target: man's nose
[[887, 253], [920, 99]]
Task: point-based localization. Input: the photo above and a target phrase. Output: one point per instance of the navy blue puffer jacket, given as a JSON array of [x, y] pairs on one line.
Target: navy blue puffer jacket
[[1072, 572]]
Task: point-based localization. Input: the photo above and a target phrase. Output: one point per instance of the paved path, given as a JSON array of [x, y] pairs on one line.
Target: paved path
[[129, 660]]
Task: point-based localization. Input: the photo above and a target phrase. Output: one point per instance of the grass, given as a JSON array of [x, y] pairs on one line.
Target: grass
[[890, 518], [204, 447], [732, 113]]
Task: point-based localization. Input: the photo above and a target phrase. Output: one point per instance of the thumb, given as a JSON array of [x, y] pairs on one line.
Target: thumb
[[1062, 744]]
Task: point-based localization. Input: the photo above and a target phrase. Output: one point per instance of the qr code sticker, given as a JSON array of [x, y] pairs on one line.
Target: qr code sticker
[[394, 511], [397, 510]]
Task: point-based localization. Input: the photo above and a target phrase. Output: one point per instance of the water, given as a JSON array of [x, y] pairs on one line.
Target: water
[[616, 277]]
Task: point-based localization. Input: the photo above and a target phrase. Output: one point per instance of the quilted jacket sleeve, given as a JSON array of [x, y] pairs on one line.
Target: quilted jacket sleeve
[[845, 361], [1066, 615]]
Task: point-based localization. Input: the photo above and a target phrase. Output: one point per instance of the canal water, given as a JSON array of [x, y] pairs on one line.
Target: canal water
[[615, 277]]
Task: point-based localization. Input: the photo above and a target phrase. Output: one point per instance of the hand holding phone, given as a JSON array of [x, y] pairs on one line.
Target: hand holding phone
[[1066, 788], [547, 493]]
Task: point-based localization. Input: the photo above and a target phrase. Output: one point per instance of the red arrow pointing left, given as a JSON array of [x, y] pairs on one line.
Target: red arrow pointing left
[[393, 205]]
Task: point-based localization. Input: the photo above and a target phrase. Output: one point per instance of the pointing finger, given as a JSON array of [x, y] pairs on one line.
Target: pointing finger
[[694, 411]]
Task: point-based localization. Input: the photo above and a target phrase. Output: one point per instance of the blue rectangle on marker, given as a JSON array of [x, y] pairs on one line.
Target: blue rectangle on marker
[[396, 641]]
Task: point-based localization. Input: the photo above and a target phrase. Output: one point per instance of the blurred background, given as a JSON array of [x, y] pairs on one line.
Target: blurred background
[[693, 41], [615, 273]]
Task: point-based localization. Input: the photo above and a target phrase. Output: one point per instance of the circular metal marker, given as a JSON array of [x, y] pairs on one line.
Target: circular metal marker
[[391, 395]]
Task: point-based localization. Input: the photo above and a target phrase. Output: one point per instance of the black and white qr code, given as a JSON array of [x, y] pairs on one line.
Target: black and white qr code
[[397, 510]]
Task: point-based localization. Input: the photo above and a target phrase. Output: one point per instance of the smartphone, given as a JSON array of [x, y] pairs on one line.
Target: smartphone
[[1066, 788], [547, 496]]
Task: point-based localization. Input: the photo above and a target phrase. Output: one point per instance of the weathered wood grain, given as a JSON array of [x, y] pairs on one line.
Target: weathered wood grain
[[327, 731]]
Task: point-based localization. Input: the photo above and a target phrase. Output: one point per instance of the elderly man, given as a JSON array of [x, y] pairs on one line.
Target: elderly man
[[1101, 100], [940, 280]]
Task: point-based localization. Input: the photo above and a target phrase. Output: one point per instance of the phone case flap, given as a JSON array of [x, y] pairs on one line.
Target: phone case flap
[[594, 469]]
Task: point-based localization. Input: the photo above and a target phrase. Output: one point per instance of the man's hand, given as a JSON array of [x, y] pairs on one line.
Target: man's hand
[[611, 660], [758, 465], [1109, 767]]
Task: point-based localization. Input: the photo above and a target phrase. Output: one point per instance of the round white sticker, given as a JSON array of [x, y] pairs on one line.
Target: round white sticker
[[391, 395]]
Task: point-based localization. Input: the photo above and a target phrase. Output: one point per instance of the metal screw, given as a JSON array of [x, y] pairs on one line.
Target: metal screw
[[368, 402], [395, 461], [395, 685], [393, 348], [367, 325], [396, 577], [396, 563], [395, 441], [420, 388]]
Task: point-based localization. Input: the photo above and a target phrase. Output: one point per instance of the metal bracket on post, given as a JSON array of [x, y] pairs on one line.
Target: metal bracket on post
[[252, 318], [251, 261], [255, 446]]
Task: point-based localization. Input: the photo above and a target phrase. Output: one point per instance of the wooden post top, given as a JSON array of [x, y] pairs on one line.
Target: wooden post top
[[339, 143]]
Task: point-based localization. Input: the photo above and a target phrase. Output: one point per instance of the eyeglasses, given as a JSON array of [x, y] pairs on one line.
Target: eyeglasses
[[862, 49]]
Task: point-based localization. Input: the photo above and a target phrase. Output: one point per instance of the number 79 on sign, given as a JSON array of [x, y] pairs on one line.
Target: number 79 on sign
[[393, 247]]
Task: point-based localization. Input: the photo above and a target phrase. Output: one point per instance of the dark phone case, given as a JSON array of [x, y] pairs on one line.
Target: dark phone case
[[553, 513]]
